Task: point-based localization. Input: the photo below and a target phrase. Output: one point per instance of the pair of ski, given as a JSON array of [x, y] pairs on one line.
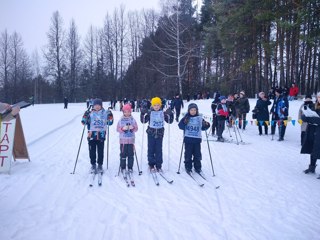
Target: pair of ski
[[128, 178], [193, 176], [155, 174], [199, 182], [93, 176]]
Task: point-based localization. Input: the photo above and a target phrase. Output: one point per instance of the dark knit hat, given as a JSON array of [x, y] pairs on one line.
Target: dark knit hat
[[192, 105], [97, 101], [278, 90]]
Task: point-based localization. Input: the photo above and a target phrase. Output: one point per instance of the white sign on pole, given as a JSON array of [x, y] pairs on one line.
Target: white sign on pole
[[6, 144]]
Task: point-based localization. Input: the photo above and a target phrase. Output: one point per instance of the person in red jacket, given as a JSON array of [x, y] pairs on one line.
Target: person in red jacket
[[293, 92]]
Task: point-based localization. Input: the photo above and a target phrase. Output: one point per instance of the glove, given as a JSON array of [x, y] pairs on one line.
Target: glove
[[87, 113], [168, 112], [144, 111], [186, 120]]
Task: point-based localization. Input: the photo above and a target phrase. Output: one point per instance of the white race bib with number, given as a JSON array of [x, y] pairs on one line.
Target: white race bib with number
[[98, 121], [156, 119], [193, 128]]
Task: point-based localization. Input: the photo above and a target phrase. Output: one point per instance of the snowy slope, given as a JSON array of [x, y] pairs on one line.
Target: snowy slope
[[263, 193]]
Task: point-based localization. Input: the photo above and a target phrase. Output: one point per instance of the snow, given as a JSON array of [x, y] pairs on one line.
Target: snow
[[263, 192]]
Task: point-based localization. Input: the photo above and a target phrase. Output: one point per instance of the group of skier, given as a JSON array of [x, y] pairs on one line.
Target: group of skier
[[225, 112], [236, 106], [98, 120]]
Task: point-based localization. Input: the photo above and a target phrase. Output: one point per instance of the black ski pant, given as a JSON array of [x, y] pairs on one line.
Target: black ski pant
[[313, 161], [220, 127], [126, 151], [96, 146], [155, 151], [265, 127], [178, 110], [192, 150], [281, 127]]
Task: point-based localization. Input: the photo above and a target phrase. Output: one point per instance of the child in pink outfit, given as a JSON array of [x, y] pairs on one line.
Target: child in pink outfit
[[127, 126]]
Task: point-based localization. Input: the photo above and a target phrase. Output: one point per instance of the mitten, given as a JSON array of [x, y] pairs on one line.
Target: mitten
[[186, 120], [168, 111]]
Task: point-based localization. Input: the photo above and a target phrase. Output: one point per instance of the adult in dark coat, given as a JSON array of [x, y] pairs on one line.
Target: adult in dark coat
[[311, 143], [262, 112], [243, 108], [66, 101], [178, 104]]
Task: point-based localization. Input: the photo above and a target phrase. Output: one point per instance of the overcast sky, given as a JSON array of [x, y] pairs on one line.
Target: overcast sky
[[32, 18]]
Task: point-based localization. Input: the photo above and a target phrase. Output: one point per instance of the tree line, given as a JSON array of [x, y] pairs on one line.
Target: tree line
[[228, 46]]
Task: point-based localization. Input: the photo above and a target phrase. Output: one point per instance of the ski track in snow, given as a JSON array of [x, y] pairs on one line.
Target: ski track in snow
[[263, 193]]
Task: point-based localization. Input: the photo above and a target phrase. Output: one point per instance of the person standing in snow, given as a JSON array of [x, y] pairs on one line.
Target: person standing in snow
[[127, 126], [262, 112], [177, 104], [222, 116], [307, 102], [279, 111], [311, 141], [65, 101], [243, 109], [156, 117], [192, 124], [97, 121], [214, 115]]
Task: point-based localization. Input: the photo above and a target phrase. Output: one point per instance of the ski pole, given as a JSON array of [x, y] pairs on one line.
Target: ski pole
[[229, 128], [135, 153], [142, 140], [235, 132], [108, 148], [180, 156], [168, 143], [84, 127], [210, 153], [239, 135]]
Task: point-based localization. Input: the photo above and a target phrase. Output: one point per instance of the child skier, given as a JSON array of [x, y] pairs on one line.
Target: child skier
[[222, 115], [96, 121], [127, 126], [192, 124], [155, 131]]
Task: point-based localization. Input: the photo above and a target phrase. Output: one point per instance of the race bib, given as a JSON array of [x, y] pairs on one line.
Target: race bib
[[156, 119], [126, 122], [98, 121], [193, 128]]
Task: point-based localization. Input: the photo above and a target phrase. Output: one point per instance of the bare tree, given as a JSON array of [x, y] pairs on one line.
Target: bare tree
[[89, 54], [37, 93], [16, 53], [74, 56], [55, 55], [176, 47], [5, 63]]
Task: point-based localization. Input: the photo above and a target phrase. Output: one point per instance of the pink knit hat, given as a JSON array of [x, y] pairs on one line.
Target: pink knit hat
[[127, 107]]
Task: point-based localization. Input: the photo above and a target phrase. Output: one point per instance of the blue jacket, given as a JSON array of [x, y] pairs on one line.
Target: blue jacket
[[86, 119]]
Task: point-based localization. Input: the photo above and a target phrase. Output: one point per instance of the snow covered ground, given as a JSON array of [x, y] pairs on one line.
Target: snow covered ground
[[263, 192]]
